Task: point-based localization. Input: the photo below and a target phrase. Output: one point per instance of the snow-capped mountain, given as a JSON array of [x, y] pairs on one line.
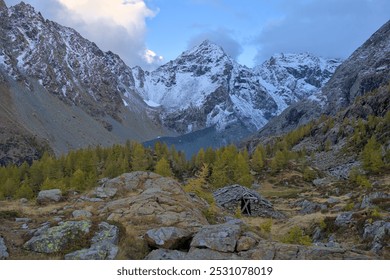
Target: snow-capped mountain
[[204, 87], [64, 63], [62, 88], [292, 77]]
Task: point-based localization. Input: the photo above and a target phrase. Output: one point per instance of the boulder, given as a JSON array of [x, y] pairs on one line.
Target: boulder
[[344, 219], [57, 239], [48, 196], [3, 250], [167, 237], [222, 238], [308, 207], [104, 245]]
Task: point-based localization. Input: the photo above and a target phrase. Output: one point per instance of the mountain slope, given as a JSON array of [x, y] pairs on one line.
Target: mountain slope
[[42, 63]]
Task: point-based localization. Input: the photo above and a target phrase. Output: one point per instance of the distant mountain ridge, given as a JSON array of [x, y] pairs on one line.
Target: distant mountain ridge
[[367, 69], [204, 87], [61, 89]]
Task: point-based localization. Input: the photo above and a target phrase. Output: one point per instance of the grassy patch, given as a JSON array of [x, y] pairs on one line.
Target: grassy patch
[[9, 214]]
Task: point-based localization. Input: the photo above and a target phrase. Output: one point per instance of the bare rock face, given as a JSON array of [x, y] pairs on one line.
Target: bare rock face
[[151, 201]]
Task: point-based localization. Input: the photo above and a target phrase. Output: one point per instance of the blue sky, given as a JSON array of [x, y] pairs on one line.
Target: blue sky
[[151, 32]]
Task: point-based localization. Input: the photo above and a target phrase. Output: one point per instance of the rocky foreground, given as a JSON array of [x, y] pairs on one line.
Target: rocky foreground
[[142, 215]]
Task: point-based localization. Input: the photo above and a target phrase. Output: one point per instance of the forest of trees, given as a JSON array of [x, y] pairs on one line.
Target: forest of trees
[[82, 169]]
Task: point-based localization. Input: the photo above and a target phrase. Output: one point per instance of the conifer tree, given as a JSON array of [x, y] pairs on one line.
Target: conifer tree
[[163, 168], [77, 181], [24, 191], [242, 174], [209, 156], [139, 160], [372, 156], [200, 159], [258, 157]]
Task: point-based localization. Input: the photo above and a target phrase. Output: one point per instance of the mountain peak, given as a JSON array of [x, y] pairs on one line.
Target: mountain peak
[[206, 48]]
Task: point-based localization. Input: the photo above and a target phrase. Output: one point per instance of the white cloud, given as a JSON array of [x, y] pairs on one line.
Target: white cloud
[[331, 28], [152, 58]]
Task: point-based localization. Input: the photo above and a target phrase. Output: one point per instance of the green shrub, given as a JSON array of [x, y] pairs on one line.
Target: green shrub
[[296, 236]]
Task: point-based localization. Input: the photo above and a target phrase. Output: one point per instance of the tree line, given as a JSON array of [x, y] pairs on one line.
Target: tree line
[[81, 170]]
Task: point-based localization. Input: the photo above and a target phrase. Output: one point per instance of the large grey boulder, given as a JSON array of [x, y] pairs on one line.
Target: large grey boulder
[[222, 238], [58, 238], [104, 245], [3, 250], [167, 237], [48, 196], [344, 219]]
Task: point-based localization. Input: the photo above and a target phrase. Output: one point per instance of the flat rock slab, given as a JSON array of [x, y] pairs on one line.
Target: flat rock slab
[[222, 238]]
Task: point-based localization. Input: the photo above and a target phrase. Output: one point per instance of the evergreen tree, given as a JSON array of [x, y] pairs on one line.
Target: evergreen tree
[[258, 157], [242, 174], [163, 168], [78, 180], [200, 159], [24, 191], [139, 160], [372, 156], [209, 156]]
